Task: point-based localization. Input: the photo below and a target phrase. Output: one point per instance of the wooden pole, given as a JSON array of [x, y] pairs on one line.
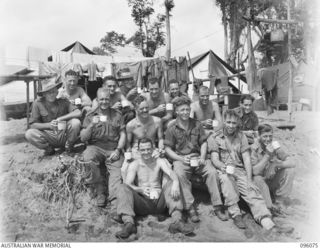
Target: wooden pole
[[168, 51], [34, 89], [28, 103], [290, 92]]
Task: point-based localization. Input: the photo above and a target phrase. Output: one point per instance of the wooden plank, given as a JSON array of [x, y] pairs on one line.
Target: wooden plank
[[258, 19], [28, 103]]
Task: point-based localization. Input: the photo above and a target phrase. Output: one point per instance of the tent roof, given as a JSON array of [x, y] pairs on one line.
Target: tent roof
[[78, 47], [199, 58]]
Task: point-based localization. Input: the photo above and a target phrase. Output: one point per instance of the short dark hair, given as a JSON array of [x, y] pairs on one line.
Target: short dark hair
[[109, 77], [264, 128], [144, 141], [138, 100], [71, 73], [154, 80], [181, 100], [246, 96], [173, 81], [231, 113], [202, 88]]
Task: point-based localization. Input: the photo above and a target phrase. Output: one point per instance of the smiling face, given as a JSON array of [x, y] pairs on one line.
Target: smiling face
[[146, 150], [71, 82], [230, 124], [247, 105], [266, 137], [154, 90], [103, 100], [183, 112], [51, 95], [204, 96], [143, 109], [174, 89], [111, 85]]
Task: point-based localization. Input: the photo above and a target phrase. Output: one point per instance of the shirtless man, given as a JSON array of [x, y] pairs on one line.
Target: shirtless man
[[206, 111], [144, 125], [148, 196], [174, 90], [157, 100], [72, 91]]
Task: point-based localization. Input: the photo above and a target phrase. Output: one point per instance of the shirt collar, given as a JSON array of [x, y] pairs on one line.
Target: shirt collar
[[192, 124]]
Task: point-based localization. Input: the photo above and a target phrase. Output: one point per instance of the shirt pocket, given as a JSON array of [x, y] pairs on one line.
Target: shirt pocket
[[44, 116], [194, 137]]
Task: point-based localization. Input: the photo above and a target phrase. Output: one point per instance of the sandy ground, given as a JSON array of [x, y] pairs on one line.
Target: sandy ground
[[27, 216]]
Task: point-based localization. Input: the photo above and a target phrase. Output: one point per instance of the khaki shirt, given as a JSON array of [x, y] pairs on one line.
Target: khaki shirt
[[232, 155], [45, 112], [185, 142], [258, 151], [104, 135]]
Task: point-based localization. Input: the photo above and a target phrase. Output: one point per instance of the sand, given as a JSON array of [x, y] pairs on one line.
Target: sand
[[27, 216]]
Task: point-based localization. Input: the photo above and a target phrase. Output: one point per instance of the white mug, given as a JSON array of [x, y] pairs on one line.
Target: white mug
[[275, 145], [154, 194], [194, 162], [230, 169], [215, 123], [95, 119], [124, 103], [103, 118], [128, 155], [77, 101], [62, 125], [169, 107]]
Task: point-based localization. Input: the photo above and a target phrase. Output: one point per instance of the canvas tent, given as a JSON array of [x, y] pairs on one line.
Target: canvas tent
[[209, 63]]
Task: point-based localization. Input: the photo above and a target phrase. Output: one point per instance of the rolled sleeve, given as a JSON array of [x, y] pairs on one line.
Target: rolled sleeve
[[212, 144], [244, 144], [35, 114], [202, 135], [169, 138]]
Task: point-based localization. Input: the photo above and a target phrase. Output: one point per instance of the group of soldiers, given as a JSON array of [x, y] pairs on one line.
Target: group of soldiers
[[143, 148]]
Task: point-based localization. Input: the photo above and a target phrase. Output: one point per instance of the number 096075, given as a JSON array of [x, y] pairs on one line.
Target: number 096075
[[308, 245]]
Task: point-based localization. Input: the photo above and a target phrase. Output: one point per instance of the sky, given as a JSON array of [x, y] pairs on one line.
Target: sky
[[55, 24]]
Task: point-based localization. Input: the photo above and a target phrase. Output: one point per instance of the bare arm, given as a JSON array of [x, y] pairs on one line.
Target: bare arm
[[122, 139], [247, 164], [203, 151], [129, 138], [216, 161], [217, 114], [41, 126], [287, 163], [160, 136], [74, 114], [171, 154], [165, 168], [258, 168], [131, 175]]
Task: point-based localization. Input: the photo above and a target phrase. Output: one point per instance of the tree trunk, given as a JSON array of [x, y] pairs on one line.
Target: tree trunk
[[251, 70], [225, 28], [168, 48]]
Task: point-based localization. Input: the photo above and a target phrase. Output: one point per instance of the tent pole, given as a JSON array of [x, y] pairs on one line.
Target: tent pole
[[290, 92], [28, 102], [34, 89]]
